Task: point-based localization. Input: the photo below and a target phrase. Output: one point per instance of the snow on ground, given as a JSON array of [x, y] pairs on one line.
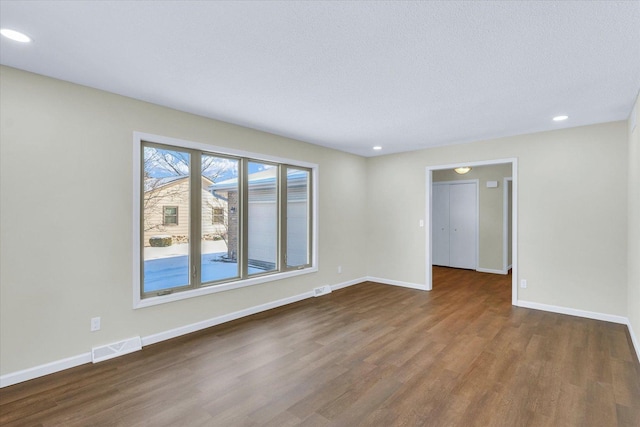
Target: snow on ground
[[169, 267]]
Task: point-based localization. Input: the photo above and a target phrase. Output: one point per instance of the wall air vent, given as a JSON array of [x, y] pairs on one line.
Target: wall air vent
[[109, 351], [322, 290]]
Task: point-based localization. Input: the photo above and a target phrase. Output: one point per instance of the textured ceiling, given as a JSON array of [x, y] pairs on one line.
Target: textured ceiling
[[347, 75]]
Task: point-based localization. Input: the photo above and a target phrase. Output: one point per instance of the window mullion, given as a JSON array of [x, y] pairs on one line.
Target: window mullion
[[195, 219], [243, 256], [282, 196]]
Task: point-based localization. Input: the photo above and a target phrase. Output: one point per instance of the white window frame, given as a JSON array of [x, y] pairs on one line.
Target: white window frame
[[219, 216], [164, 216], [138, 301]]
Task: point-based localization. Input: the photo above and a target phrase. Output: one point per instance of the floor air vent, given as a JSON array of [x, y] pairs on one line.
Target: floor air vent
[[322, 290], [105, 352]]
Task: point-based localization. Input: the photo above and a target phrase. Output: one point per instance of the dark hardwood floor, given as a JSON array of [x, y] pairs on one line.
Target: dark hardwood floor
[[369, 354]]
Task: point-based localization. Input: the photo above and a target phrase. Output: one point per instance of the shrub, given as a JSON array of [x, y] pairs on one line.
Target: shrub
[[160, 241]]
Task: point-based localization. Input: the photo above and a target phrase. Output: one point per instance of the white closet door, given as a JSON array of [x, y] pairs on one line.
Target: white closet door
[[463, 224], [440, 225]]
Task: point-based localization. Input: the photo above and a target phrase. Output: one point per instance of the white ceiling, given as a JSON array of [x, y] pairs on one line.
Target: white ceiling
[[347, 75]]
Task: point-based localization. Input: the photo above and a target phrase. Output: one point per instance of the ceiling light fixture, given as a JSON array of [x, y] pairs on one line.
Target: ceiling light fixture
[[462, 170], [560, 118], [14, 35], [377, 148]]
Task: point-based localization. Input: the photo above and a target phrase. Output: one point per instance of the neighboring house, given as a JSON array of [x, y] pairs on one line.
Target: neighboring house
[[166, 209], [263, 222]]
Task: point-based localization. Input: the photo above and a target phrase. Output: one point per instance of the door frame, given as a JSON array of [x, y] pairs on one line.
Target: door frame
[[514, 223], [477, 236], [505, 225]]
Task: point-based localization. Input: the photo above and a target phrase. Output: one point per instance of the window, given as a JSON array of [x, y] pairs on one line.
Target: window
[[242, 220], [170, 215], [217, 216]]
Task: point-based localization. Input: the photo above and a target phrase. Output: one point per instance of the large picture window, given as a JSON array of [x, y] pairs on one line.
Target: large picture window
[[242, 220]]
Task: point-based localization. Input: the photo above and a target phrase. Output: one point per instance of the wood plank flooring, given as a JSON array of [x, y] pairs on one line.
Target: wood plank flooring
[[371, 355]]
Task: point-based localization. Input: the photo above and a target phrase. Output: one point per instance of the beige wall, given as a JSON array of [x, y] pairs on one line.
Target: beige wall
[[572, 213], [491, 210], [572, 217], [633, 242], [53, 279]]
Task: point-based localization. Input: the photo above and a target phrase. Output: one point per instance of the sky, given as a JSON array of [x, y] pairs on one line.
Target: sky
[[163, 163]]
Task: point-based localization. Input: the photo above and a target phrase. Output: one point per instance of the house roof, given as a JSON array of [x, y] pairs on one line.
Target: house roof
[[163, 182], [264, 178]]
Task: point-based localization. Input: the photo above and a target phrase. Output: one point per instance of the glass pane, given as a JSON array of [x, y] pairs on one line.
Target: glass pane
[[262, 218], [219, 241], [165, 239], [298, 218]]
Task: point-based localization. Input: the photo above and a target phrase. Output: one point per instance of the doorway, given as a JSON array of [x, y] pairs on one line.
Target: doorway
[[510, 188]]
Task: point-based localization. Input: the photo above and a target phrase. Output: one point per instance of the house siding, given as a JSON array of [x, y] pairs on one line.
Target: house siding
[[177, 194]]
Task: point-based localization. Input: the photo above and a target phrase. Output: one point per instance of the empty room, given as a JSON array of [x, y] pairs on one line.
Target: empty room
[[407, 213]]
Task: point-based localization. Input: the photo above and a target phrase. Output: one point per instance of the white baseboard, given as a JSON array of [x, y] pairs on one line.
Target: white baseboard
[[397, 283], [187, 329], [574, 312], [71, 362], [42, 370], [587, 314], [490, 270], [116, 349], [348, 283], [634, 340]]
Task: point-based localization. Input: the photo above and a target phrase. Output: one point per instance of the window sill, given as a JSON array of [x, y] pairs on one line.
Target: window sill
[[149, 302]]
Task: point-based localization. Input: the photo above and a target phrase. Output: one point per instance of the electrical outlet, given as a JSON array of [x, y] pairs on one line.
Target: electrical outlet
[[339, 269], [95, 324], [523, 283]]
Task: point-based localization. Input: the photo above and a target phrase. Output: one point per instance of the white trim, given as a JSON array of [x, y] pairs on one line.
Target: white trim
[[159, 139], [634, 340], [491, 270], [193, 327], [574, 312], [514, 231], [397, 283], [84, 358], [46, 369], [116, 349], [505, 223], [138, 302], [585, 314], [148, 302], [348, 283], [514, 223]]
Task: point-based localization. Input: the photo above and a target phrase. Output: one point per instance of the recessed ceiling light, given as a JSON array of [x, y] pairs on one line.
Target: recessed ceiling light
[[377, 147], [560, 118], [14, 35]]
